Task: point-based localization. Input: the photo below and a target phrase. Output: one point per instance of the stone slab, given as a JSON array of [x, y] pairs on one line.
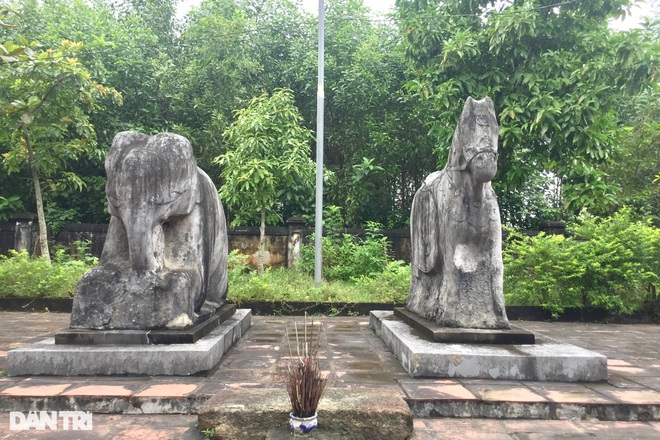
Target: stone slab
[[190, 335], [251, 413], [547, 360], [438, 333], [46, 358]]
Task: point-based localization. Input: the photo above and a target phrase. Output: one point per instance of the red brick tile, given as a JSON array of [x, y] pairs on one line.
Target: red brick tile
[[99, 390], [419, 424], [245, 385], [575, 397], [617, 363], [531, 426], [636, 396], [35, 390], [167, 390], [433, 391], [568, 393], [612, 430], [459, 429], [633, 371], [419, 434], [507, 394], [150, 433]]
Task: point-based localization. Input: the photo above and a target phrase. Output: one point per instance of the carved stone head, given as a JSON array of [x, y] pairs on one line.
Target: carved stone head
[[474, 146]]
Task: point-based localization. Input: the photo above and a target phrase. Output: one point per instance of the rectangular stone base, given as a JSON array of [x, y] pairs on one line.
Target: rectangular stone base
[[46, 358], [436, 333], [188, 335], [547, 360]]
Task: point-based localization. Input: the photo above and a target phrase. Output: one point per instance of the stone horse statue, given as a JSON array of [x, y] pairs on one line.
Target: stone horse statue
[[456, 232], [164, 262]]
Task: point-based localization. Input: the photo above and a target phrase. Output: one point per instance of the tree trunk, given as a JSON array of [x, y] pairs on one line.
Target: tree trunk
[[262, 241], [43, 233]]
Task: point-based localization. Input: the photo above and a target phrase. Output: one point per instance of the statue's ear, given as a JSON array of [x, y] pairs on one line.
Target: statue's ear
[[470, 105]]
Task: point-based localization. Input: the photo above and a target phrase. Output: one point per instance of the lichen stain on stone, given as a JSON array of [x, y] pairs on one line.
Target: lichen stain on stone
[[180, 321]]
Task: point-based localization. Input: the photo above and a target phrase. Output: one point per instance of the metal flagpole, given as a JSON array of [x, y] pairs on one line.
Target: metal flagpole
[[320, 97]]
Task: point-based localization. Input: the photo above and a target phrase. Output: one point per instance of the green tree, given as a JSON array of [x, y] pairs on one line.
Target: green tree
[[231, 51], [555, 72], [636, 167], [157, 15], [216, 74], [121, 49], [267, 162], [45, 98], [377, 139]]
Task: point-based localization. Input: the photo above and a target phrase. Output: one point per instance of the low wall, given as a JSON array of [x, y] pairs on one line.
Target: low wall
[[246, 240], [282, 243]]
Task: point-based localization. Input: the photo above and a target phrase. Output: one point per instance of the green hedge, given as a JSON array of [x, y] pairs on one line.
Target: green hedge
[[613, 263]]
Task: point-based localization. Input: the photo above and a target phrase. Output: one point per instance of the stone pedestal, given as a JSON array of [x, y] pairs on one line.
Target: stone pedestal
[[547, 360], [188, 335], [46, 358], [437, 333]]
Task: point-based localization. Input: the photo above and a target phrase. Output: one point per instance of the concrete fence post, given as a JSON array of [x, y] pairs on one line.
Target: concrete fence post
[[294, 240], [26, 232]]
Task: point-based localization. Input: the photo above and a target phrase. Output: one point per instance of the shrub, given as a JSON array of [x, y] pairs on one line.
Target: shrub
[[391, 285], [25, 276], [236, 266], [347, 257], [611, 262]]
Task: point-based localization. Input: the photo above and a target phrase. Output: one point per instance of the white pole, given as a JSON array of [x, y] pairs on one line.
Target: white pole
[[320, 96]]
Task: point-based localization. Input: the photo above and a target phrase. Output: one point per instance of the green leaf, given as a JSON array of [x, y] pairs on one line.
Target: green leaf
[[27, 118]]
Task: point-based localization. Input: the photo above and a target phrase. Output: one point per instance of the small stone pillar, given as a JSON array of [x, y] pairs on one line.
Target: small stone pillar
[[294, 241], [25, 232]]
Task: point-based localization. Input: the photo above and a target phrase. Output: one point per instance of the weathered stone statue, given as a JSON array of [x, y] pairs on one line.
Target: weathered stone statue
[[164, 262], [456, 231]]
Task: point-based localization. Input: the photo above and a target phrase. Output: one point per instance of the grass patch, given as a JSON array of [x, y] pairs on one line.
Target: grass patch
[[283, 285]]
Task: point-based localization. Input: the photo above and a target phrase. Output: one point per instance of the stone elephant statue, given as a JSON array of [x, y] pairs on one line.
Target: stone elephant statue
[[456, 231], [164, 262]]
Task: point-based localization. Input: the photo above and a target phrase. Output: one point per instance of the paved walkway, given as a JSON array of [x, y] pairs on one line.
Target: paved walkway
[[355, 358]]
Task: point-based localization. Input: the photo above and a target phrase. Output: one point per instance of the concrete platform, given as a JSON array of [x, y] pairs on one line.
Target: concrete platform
[[547, 360], [47, 358]]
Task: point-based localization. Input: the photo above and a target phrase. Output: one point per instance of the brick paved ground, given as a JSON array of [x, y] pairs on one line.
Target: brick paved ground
[[354, 358]]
